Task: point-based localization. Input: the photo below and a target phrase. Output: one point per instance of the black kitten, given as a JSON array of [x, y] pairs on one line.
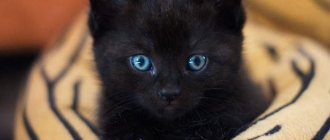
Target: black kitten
[[171, 69]]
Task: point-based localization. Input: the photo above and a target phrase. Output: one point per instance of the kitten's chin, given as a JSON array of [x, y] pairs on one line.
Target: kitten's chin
[[169, 113]]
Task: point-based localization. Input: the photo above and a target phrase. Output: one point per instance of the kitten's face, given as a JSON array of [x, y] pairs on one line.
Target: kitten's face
[[165, 55]]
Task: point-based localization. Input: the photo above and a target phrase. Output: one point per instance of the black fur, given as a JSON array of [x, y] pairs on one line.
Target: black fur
[[213, 104]]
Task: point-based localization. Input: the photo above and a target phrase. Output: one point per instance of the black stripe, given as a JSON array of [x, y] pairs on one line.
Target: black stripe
[[51, 85], [75, 109], [324, 4], [272, 131], [53, 106], [28, 127], [323, 131], [72, 59], [305, 81], [271, 50]]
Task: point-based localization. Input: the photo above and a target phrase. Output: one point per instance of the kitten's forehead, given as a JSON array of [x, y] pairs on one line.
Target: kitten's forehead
[[174, 25], [165, 5], [171, 27]]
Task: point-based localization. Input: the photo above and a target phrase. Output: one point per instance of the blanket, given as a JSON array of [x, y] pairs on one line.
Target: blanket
[[61, 95]]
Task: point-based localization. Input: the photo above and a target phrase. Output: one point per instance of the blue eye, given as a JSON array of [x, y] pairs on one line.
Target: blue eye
[[196, 62], [141, 63]]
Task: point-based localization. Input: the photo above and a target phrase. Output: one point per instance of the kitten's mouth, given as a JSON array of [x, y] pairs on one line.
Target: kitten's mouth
[[169, 108], [170, 112]]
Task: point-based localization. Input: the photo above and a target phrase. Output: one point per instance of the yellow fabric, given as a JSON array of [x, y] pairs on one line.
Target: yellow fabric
[[310, 17], [61, 94]]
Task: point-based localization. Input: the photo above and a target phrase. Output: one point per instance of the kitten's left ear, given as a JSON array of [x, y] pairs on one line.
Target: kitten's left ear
[[231, 13]]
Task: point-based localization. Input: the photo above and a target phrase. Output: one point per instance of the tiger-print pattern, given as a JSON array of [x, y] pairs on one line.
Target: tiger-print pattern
[[60, 98]]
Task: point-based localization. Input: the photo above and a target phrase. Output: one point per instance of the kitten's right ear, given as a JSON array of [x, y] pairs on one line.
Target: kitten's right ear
[[102, 12], [107, 4], [95, 16]]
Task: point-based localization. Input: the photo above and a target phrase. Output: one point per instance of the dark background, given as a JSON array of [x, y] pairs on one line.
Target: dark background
[[13, 74]]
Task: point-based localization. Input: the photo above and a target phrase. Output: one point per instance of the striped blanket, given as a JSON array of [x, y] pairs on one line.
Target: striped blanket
[[60, 98]]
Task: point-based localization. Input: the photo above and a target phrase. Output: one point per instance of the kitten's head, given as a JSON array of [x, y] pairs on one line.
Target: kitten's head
[[164, 55]]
